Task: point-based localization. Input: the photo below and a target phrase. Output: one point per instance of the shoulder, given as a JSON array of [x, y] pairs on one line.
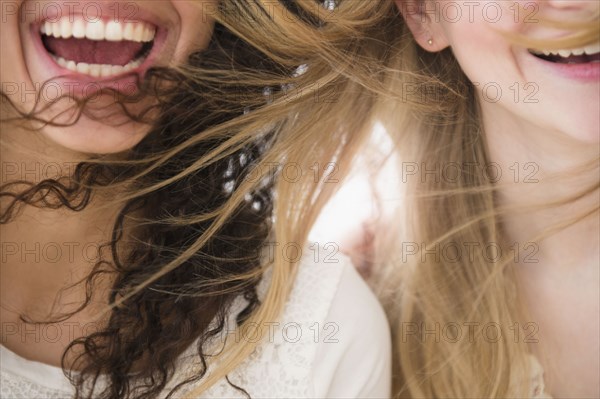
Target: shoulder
[[329, 290], [334, 331], [353, 357]]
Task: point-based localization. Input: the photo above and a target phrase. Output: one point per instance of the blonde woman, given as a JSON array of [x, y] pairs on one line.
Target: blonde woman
[[492, 264], [143, 252], [530, 288]]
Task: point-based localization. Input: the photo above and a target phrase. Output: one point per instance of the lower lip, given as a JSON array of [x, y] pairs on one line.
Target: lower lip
[[81, 85], [587, 72]]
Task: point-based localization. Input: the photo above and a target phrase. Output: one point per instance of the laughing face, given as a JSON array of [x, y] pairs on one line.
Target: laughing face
[[533, 89], [75, 48]]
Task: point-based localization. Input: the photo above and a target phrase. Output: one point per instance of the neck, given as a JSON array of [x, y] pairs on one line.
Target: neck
[[44, 248], [541, 167]]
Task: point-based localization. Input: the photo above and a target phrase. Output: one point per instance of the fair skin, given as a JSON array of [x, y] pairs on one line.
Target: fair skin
[[44, 250], [559, 132]]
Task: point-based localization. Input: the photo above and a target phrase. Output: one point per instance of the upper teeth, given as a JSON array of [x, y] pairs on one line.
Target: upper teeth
[[80, 28], [590, 49]]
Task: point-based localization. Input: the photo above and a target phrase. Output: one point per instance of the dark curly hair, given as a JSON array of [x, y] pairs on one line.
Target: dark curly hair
[[188, 304]]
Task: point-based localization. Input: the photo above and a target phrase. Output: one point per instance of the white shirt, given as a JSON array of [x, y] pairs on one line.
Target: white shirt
[[331, 341]]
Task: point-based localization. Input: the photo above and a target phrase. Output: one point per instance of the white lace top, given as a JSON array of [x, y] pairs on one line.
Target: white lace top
[[332, 340]]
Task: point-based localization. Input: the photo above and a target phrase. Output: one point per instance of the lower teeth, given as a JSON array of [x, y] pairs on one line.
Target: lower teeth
[[97, 70]]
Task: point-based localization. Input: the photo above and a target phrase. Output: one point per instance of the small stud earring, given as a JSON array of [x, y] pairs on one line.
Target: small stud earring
[[430, 42]]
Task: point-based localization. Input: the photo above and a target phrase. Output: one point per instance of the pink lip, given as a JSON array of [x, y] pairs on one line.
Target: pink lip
[[159, 40], [81, 84], [582, 72]]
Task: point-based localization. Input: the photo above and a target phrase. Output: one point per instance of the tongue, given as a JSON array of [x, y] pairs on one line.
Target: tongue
[[92, 51]]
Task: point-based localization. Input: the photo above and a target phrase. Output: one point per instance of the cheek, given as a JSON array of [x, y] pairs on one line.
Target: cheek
[[484, 55], [477, 33], [482, 23], [501, 15], [12, 68], [197, 25]]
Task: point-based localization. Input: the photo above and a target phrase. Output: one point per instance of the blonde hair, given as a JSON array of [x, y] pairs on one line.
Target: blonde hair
[[357, 54], [322, 118], [453, 291], [440, 123]]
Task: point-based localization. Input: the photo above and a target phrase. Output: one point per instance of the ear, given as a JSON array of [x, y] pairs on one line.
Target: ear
[[424, 23]]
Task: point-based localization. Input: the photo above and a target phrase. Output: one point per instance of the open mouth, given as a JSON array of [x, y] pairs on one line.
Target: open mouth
[[583, 55], [100, 49]]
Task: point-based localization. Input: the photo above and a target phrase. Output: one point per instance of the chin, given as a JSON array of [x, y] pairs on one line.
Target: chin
[[586, 133], [93, 137], [591, 137]]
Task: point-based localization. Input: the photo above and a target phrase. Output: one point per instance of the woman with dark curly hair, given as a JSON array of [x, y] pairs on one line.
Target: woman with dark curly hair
[[161, 168]]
